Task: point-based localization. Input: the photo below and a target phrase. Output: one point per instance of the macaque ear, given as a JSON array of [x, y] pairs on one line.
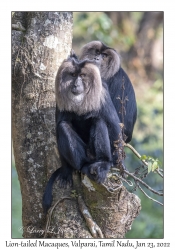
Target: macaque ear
[[72, 54]]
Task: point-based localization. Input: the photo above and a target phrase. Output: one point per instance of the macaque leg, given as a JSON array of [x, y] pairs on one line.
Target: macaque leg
[[100, 147]]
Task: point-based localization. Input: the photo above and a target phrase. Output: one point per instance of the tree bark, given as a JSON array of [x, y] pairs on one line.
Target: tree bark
[[38, 48], [40, 42]]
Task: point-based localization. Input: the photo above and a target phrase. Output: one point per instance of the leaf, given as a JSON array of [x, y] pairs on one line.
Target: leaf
[[149, 167], [154, 165], [143, 157], [149, 158]]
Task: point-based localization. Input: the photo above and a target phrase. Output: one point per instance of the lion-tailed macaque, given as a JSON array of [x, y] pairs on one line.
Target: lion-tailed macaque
[[119, 84], [87, 125]]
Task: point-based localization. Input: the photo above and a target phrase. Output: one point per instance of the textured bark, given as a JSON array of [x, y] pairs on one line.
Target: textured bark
[[40, 42], [114, 212], [37, 52]]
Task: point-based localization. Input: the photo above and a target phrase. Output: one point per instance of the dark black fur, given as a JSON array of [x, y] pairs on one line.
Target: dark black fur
[[115, 78], [85, 142], [129, 113]]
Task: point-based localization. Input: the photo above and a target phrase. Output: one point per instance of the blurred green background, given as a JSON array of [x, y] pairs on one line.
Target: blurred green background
[[138, 37]]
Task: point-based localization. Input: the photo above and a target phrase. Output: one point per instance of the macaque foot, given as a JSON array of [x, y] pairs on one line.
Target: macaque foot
[[97, 171]]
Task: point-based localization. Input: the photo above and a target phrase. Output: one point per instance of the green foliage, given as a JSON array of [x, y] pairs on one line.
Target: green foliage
[[16, 205], [150, 115], [90, 26], [153, 164], [96, 25], [148, 140], [149, 223]]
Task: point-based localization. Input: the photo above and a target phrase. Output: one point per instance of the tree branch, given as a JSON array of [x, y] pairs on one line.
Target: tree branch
[[49, 215], [139, 156], [92, 225], [148, 195]]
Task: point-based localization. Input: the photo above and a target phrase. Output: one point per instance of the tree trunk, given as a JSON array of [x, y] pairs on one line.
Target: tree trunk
[[40, 42]]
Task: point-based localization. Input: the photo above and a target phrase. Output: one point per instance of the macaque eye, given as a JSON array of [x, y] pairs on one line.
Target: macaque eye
[[104, 55], [74, 74], [97, 52], [82, 75]]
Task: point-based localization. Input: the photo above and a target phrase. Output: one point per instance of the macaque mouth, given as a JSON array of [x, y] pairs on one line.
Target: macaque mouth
[[98, 59], [77, 91]]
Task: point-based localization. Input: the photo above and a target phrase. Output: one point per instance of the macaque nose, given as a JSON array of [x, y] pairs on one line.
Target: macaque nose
[[97, 58], [77, 83], [77, 87]]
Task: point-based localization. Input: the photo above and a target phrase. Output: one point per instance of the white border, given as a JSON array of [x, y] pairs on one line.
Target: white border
[[5, 95]]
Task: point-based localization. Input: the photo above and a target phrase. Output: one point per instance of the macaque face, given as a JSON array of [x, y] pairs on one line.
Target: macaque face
[[78, 86], [107, 58]]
